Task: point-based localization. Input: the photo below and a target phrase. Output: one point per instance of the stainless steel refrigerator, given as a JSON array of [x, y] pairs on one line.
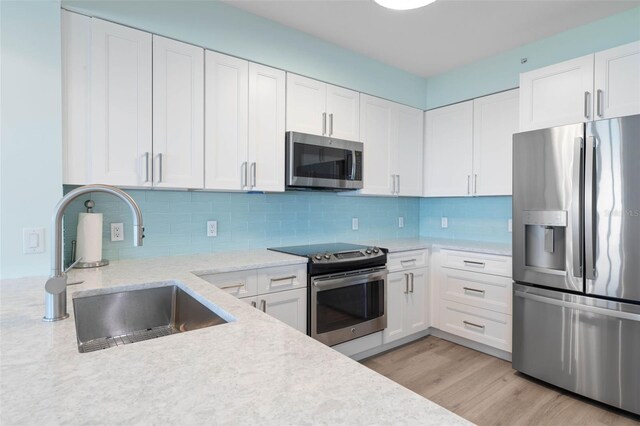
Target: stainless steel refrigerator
[[576, 258]]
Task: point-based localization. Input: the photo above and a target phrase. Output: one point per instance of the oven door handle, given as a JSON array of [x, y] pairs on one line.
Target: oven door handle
[[348, 280]]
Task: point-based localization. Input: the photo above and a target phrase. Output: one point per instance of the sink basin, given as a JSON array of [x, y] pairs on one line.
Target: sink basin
[[104, 320]]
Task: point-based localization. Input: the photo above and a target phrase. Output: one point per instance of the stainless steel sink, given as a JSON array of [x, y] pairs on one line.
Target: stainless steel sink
[[111, 319]]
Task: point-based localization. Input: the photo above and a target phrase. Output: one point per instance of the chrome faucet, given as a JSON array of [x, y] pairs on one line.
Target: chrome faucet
[[55, 299]]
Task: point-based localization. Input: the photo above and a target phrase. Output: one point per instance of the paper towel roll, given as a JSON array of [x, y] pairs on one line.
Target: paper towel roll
[[89, 246]]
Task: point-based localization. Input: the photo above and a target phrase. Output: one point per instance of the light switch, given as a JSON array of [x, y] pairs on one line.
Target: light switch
[[33, 240]]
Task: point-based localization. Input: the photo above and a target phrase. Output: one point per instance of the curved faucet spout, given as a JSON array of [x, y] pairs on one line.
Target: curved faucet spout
[[55, 289]]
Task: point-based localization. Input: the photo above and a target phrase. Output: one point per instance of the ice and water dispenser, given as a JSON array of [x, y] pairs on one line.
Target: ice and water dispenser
[[545, 239]]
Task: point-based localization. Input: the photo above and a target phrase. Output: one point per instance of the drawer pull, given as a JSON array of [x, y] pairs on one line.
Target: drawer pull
[[409, 261], [263, 306], [474, 263], [290, 277], [475, 290], [254, 304], [232, 286], [473, 324]]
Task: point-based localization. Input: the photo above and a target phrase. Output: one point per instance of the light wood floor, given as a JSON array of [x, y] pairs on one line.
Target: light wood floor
[[486, 390]]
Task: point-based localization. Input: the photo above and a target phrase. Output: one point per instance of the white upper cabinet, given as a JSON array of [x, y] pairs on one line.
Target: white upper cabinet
[[495, 120], [377, 130], [468, 147], [343, 113], [178, 114], [267, 87], [556, 95], [593, 87], [121, 110], [322, 109], [392, 138], [617, 81], [448, 154], [408, 150], [227, 112], [76, 57]]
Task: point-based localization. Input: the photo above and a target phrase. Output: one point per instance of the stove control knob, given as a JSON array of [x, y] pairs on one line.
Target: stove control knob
[[318, 257], [327, 256], [376, 250], [368, 251]]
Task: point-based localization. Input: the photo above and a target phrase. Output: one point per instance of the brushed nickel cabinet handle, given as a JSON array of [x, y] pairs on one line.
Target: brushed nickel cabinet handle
[[408, 260], [475, 290], [330, 124], [160, 168], [146, 166], [254, 304], [290, 277], [475, 184], [471, 324], [232, 286], [406, 283], [411, 273], [468, 184], [243, 175], [474, 263], [599, 102], [253, 175], [324, 123], [263, 305], [587, 104]]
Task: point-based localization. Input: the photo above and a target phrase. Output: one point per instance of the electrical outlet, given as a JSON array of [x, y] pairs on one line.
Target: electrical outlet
[[354, 224], [212, 228], [117, 232], [400, 222], [444, 222], [33, 240], [510, 225]]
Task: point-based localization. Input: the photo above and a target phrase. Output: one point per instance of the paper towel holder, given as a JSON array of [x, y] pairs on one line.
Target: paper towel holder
[[89, 204]]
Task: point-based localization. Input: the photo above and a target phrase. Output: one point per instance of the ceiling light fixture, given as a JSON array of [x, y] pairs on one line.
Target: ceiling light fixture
[[403, 4]]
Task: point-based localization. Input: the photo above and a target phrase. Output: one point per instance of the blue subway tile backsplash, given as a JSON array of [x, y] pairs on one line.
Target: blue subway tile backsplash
[[175, 221]]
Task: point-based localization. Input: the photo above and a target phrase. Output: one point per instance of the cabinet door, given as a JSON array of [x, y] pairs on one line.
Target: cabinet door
[[306, 105], [448, 150], [556, 95], [417, 311], [178, 114], [343, 109], [409, 155], [290, 307], [227, 122], [266, 128], [495, 120], [121, 96], [76, 56], [397, 293], [617, 81], [376, 131]]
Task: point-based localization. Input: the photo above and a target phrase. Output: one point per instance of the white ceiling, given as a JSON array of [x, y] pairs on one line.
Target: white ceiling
[[436, 38]]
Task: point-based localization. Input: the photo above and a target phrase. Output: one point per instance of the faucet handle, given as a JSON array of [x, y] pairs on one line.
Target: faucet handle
[[56, 285]]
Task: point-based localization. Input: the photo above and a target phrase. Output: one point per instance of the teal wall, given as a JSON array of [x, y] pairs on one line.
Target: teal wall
[[30, 126], [220, 27], [175, 221], [502, 72]]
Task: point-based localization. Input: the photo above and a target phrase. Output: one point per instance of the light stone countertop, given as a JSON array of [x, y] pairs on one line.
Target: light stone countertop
[[254, 370], [420, 243]]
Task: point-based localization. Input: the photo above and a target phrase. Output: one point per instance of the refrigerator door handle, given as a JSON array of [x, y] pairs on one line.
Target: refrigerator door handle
[[577, 207], [590, 208]]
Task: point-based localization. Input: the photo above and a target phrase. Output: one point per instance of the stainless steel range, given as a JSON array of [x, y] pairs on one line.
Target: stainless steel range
[[347, 290]]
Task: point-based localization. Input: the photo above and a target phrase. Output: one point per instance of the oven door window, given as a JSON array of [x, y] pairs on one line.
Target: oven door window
[[313, 161], [348, 306]]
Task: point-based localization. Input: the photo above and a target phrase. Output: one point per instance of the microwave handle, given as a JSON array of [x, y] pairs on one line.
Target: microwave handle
[[352, 175]]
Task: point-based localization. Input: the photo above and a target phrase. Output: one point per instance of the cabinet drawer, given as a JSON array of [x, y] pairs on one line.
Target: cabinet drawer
[[237, 283], [282, 278], [480, 325], [481, 290], [483, 263], [407, 260]]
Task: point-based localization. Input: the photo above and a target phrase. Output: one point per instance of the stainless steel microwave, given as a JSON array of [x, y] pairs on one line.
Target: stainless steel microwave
[[319, 162]]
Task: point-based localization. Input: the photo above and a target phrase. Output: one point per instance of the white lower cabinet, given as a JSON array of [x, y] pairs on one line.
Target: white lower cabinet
[[407, 300], [474, 296], [279, 291]]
